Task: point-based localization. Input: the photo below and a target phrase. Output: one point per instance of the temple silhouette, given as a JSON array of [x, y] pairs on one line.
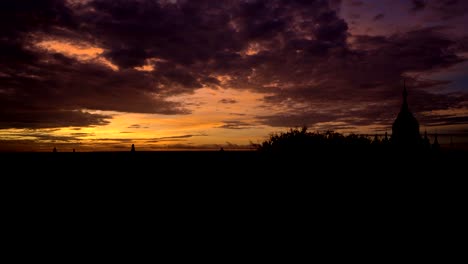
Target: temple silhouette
[[405, 128]]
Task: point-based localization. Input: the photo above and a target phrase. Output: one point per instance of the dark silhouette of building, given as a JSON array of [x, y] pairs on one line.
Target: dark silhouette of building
[[54, 150], [385, 140], [133, 148], [405, 129], [426, 142]]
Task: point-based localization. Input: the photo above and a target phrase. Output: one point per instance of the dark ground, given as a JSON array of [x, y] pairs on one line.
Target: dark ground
[[342, 163], [225, 178], [234, 195]]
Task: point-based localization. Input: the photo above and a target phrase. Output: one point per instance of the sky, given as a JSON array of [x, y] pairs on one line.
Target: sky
[[100, 75]]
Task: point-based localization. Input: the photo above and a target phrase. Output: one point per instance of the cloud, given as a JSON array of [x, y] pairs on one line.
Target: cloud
[[357, 3], [449, 9], [418, 5], [379, 16], [113, 140], [235, 124], [298, 53], [227, 101], [174, 138], [177, 137], [445, 120], [135, 126], [45, 135], [440, 9], [82, 134], [52, 91], [366, 77], [30, 117]]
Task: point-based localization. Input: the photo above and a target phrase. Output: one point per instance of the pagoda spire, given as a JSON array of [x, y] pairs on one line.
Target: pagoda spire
[[405, 129]]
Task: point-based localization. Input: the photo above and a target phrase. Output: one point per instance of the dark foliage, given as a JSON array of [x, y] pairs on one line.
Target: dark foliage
[[299, 139]]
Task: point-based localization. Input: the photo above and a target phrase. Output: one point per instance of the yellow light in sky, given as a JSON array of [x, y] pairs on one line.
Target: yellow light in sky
[[202, 128]]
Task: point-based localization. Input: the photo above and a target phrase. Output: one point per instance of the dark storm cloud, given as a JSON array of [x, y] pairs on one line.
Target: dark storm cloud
[[442, 9], [418, 5], [450, 8], [357, 3], [47, 118], [379, 16], [418, 50], [20, 18], [48, 94], [39, 89], [299, 52], [367, 76], [181, 33]]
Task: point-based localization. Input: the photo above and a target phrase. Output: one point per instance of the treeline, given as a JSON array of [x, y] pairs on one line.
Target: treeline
[[299, 139]]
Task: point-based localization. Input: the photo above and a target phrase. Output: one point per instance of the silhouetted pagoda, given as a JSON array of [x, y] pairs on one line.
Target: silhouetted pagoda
[[405, 129]]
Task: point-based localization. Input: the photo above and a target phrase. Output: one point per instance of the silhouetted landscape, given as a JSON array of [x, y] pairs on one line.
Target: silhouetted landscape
[[319, 88], [295, 153], [199, 120], [326, 159]]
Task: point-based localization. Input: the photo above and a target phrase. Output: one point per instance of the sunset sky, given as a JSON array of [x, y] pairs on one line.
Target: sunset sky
[[100, 75]]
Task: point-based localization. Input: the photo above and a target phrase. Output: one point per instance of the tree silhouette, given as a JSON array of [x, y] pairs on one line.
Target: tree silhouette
[[299, 140]]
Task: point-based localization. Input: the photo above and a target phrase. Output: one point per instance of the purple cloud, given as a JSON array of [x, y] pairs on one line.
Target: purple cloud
[[300, 54]]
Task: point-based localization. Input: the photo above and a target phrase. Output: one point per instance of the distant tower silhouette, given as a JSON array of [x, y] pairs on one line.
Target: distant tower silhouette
[[73, 150], [385, 140], [54, 150], [426, 142], [405, 129], [133, 148], [435, 145]]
